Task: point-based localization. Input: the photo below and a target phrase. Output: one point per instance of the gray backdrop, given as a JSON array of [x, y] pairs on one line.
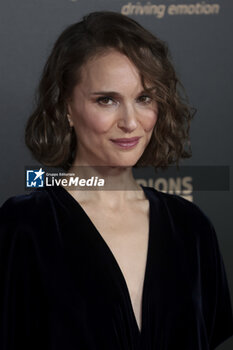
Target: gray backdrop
[[199, 35]]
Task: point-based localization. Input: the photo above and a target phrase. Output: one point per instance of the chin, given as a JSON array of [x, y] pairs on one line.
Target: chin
[[124, 163]]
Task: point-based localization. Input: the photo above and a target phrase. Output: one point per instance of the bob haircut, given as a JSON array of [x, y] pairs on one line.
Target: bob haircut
[[48, 134]]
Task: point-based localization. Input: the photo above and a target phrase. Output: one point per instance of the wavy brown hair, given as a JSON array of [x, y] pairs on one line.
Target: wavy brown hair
[[48, 134]]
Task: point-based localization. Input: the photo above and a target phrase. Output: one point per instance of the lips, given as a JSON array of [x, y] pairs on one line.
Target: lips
[[125, 140], [126, 143]]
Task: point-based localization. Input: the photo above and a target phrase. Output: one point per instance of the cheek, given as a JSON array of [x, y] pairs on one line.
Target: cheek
[[149, 120], [97, 121]]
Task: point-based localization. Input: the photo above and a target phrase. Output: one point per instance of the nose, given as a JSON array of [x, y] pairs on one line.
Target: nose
[[127, 118]]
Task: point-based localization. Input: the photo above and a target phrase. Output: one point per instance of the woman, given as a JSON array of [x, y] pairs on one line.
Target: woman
[[128, 269]]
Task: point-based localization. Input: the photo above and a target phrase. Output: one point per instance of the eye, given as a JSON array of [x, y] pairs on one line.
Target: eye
[[105, 101], [145, 99]]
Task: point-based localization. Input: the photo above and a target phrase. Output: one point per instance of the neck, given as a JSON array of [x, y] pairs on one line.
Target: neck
[[119, 184]]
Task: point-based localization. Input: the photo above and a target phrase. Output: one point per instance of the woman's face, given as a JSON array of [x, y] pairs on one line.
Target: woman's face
[[109, 104]]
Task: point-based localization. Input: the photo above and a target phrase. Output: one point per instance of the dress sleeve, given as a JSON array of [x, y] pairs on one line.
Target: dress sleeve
[[216, 295], [20, 290]]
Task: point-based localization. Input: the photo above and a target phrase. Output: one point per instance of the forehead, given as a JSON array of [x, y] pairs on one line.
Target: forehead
[[110, 67]]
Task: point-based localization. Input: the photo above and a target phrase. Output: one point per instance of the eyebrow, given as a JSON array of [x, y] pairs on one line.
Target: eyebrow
[[113, 93]]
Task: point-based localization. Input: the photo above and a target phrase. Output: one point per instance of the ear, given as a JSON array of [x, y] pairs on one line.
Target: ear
[[70, 120], [69, 114]]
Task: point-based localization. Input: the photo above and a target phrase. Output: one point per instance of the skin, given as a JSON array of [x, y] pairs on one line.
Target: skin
[[124, 110]]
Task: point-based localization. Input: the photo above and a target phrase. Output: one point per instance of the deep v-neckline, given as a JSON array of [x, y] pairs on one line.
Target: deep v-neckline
[[115, 263]]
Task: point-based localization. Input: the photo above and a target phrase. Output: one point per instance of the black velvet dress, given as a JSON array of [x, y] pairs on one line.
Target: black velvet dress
[[61, 287]]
